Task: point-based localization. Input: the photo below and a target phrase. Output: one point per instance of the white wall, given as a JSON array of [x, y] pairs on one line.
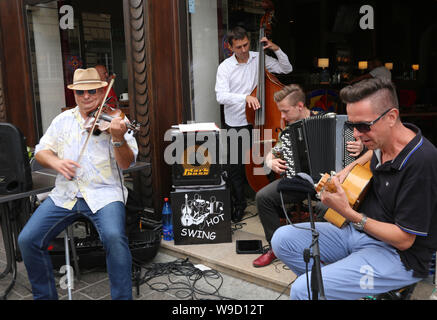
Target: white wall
[[48, 62], [205, 59]]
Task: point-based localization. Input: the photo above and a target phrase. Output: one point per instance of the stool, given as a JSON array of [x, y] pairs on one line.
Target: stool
[[298, 213], [398, 294], [67, 262]]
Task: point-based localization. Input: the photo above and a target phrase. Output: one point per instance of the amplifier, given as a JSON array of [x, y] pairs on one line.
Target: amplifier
[[197, 158], [201, 215], [143, 244]]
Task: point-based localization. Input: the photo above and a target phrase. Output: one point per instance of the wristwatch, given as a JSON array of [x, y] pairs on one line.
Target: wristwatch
[[118, 144], [360, 225]]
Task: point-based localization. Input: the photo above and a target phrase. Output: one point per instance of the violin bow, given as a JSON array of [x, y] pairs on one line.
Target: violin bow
[[99, 111]]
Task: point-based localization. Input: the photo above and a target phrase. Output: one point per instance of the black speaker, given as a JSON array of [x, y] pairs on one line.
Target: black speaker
[[15, 173], [197, 157], [144, 244]]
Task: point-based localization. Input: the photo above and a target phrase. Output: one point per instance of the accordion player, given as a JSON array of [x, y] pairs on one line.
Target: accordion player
[[317, 145]]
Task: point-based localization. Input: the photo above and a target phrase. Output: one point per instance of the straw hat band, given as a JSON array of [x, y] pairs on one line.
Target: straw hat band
[[86, 79]]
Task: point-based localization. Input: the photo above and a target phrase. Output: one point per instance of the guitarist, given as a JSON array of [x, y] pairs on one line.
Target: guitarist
[[291, 104], [388, 243]]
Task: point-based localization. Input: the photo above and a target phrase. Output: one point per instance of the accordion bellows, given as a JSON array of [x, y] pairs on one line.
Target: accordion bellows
[[317, 145]]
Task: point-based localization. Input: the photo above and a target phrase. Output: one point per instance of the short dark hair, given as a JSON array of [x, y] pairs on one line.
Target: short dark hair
[[237, 33], [380, 89]]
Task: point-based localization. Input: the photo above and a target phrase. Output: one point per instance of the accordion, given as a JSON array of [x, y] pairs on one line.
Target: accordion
[[316, 145]]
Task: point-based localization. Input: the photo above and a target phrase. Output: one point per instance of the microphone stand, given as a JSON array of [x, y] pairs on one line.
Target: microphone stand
[[317, 289]]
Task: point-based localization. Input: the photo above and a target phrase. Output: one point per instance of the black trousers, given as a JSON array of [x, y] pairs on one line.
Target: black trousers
[[236, 171], [270, 210], [269, 206]]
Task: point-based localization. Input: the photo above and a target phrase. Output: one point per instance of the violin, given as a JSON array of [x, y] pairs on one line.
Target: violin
[[106, 116], [97, 116]]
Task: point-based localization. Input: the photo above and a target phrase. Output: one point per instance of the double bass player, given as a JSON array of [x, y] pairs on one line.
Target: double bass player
[[236, 79]]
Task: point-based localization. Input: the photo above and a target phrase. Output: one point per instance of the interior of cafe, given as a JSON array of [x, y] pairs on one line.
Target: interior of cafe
[[94, 36], [331, 43]]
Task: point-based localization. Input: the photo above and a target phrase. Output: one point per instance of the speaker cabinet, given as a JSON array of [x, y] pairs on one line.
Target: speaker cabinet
[[143, 245], [15, 173], [201, 216]]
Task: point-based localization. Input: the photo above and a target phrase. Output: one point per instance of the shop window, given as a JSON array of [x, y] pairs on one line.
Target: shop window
[[209, 21], [66, 35]]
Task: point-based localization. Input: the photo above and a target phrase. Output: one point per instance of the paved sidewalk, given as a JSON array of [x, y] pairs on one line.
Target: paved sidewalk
[[94, 285], [184, 282]]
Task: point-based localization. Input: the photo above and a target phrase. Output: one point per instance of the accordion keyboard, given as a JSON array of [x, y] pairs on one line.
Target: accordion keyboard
[[287, 153]]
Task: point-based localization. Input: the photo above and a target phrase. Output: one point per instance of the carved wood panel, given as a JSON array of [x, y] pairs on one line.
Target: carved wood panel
[[2, 96], [139, 90]]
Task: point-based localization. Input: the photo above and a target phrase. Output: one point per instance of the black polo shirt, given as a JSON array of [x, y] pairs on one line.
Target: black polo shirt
[[404, 192]]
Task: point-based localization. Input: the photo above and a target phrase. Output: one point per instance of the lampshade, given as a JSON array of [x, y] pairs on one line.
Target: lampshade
[[323, 62], [362, 65], [415, 67], [389, 65]]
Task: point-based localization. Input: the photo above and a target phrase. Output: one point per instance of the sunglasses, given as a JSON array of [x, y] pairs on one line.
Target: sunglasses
[[90, 92], [365, 126]]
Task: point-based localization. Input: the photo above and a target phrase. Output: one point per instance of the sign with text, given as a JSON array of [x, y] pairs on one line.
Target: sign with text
[[201, 216]]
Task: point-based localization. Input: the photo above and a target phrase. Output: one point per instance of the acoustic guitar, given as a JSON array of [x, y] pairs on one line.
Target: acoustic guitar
[[355, 185]]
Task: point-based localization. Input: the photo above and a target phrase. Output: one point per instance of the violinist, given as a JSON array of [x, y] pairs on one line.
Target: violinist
[[236, 79], [91, 187]]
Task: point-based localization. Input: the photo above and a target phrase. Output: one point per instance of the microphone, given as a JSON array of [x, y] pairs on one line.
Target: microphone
[[306, 177], [301, 183]]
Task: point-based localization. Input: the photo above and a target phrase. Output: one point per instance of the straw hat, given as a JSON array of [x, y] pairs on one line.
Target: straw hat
[[86, 79]]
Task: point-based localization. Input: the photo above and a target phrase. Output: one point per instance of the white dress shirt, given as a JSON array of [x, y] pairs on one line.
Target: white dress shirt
[[99, 179], [237, 80]]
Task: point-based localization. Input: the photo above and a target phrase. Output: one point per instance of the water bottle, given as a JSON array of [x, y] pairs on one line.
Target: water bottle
[[167, 225], [433, 295]]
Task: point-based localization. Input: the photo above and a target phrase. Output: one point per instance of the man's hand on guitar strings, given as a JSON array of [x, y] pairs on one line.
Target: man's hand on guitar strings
[[336, 200]]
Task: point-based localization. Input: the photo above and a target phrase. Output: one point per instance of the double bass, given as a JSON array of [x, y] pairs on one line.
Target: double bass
[[266, 121]]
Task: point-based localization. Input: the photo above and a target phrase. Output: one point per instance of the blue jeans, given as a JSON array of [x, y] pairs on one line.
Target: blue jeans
[[49, 220], [354, 265]]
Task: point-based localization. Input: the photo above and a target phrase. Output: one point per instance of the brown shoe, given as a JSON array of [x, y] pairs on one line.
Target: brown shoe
[[264, 260]]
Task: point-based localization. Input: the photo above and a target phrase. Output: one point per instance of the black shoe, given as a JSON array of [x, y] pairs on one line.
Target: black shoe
[[237, 215]]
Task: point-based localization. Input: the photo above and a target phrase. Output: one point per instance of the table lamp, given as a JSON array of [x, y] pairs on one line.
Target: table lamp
[[362, 65], [415, 68], [324, 75], [389, 65]]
